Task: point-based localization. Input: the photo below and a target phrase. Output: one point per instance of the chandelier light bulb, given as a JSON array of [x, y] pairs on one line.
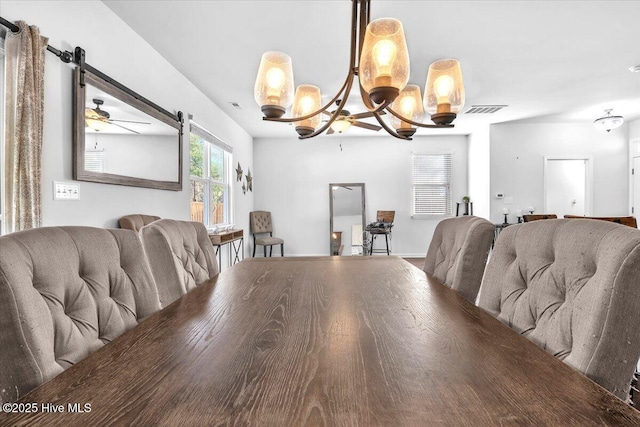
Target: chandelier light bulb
[[409, 105], [444, 87], [306, 101], [383, 54], [273, 90], [275, 81]]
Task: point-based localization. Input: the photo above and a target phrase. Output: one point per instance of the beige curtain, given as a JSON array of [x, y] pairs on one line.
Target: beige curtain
[[24, 66]]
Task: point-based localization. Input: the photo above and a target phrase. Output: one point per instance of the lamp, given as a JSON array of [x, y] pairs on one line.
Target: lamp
[[379, 57], [95, 121], [608, 121]]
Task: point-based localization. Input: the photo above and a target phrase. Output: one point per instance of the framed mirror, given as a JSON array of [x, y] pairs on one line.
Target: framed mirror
[[347, 219], [119, 139]]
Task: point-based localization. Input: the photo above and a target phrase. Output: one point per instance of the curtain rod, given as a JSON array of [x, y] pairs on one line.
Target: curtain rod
[[78, 59]]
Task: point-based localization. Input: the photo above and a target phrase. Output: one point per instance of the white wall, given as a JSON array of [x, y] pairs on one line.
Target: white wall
[[634, 129], [517, 152], [115, 49], [480, 171], [291, 179]]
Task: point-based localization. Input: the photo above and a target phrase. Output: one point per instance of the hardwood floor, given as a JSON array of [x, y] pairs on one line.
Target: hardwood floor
[[418, 262]]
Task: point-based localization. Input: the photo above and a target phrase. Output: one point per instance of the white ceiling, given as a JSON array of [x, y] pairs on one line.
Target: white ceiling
[[548, 60]]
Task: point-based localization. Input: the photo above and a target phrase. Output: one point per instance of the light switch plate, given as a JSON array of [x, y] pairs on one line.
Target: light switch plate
[[66, 190]]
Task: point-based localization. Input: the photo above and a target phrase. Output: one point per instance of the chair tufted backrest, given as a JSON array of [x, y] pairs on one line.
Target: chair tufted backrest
[[136, 221], [64, 293], [181, 256], [260, 222], [458, 252], [573, 288]]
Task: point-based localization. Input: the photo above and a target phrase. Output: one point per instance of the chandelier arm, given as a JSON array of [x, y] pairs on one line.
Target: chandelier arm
[[336, 113], [422, 125], [388, 129]]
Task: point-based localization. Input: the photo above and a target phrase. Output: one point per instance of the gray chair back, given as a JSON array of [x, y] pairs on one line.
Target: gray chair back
[[260, 222], [181, 256], [136, 221], [458, 251], [573, 288], [64, 293]]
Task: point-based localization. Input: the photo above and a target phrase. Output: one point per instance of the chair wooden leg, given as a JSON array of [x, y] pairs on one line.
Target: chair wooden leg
[[386, 240], [270, 251], [265, 251], [282, 249], [371, 245], [254, 250]]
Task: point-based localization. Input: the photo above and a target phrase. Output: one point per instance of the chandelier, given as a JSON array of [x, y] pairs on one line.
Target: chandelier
[[608, 122], [380, 59]]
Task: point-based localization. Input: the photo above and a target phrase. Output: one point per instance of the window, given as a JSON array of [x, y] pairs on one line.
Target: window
[[210, 161], [431, 180]]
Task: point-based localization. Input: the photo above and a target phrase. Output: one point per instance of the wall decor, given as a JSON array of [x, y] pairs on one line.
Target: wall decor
[[244, 188], [249, 181], [239, 172]]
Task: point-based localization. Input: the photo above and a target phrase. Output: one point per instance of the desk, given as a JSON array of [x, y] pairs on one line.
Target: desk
[[325, 341], [229, 238]]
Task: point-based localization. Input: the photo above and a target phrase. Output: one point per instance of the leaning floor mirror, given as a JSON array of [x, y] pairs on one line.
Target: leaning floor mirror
[[347, 219], [119, 139]]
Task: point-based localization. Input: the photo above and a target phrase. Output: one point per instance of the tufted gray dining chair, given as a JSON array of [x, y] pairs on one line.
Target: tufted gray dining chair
[[181, 256], [260, 222], [64, 293], [573, 288], [136, 221], [458, 251]]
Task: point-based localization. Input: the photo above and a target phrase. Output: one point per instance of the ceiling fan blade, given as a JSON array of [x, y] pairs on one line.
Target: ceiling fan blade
[[366, 125], [129, 121], [330, 131], [130, 130], [365, 115]]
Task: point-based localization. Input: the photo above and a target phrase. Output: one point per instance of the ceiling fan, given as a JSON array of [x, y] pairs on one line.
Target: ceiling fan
[[98, 119], [345, 120]]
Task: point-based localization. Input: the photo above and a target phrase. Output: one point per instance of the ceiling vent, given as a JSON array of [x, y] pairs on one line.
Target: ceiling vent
[[236, 105], [484, 109]]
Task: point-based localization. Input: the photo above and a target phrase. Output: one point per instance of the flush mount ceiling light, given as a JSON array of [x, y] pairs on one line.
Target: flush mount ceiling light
[[379, 57], [608, 121]]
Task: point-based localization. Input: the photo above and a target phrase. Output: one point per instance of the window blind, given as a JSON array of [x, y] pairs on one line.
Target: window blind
[[94, 161], [432, 184], [201, 132]]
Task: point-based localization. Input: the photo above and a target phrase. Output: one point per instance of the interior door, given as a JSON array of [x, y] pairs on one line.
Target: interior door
[[566, 187], [635, 203]]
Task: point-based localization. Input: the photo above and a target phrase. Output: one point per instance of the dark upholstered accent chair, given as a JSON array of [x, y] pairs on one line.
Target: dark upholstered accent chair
[[624, 220], [573, 288], [136, 221], [536, 217], [64, 293], [458, 253], [260, 222], [181, 256]]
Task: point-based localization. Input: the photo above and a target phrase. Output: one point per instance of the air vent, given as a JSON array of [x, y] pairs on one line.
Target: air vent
[[484, 109], [236, 105]]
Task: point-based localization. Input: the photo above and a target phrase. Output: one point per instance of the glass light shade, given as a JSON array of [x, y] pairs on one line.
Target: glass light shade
[[384, 59], [608, 122], [94, 120], [273, 90], [340, 125], [306, 101], [408, 104], [444, 90]]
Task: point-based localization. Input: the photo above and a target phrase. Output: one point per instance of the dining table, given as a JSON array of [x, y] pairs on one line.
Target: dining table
[[321, 341]]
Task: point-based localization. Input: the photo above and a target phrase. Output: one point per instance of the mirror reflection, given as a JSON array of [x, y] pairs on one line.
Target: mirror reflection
[[120, 140], [347, 218]]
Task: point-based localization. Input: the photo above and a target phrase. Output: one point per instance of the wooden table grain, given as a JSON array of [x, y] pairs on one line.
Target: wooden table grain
[[335, 341]]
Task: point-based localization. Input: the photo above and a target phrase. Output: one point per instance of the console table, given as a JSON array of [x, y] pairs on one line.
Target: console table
[[235, 240]]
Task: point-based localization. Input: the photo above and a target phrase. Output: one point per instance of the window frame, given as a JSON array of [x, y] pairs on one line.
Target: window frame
[[209, 140], [450, 186]]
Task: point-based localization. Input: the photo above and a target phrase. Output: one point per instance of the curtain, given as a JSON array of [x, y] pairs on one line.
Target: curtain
[[24, 66]]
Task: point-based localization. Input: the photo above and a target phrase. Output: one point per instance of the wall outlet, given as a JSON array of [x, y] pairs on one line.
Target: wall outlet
[[66, 190], [508, 200]]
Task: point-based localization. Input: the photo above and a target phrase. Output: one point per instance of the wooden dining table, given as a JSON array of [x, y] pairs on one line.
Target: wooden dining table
[[324, 341]]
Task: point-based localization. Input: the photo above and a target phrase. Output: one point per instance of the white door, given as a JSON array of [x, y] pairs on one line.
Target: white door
[[566, 187], [635, 203]]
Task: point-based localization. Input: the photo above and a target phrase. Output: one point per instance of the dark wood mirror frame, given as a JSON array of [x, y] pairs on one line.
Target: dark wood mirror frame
[[83, 77]]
